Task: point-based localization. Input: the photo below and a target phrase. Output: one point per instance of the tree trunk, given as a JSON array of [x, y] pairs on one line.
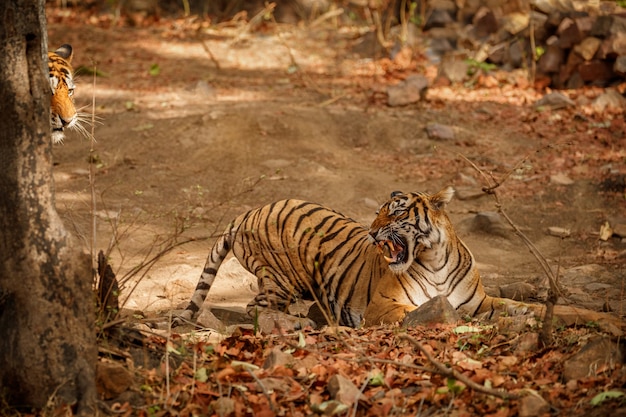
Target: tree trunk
[[47, 338]]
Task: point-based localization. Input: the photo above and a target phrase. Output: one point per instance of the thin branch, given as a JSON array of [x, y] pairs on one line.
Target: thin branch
[[453, 373]]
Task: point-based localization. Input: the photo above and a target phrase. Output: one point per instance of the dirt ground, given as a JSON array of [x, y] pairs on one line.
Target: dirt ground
[[198, 124]]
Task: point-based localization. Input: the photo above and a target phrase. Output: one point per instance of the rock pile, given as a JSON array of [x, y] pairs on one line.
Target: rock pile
[[577, 42]]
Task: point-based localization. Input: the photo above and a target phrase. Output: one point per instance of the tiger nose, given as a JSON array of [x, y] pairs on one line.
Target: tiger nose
[[66, 122]]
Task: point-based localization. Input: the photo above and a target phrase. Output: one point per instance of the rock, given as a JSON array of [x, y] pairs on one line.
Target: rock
[[558, 231], [610, 99], [223, 406], [619, 229], [207, 319], [527, 342], [343, 390], [569, 33], [519, 291], [453, 68], [596, 356], [411, 90], [489, 222], [269, 320], [561, 179], [620, 65], [551, 60], [277, 357], [485, 22], [440, 132], [554, 101], [588, 47], [546, 6], [435, 310], [516, 22], [596, 71], [112, 379], [532, 405], [608, 25]]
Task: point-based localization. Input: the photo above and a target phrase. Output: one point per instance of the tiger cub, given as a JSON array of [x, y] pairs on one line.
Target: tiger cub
[[63, 113], [299, 250]]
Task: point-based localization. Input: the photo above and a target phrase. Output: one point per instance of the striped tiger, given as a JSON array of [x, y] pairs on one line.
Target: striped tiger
[[409, 255], [427, 259], [63, 113], [298, 250]]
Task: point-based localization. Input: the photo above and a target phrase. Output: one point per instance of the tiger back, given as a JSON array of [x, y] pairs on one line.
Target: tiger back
[[299, 250], [428, 259], [63, 112]]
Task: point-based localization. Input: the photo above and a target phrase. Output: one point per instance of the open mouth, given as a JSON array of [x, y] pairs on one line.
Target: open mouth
[[393, 252]]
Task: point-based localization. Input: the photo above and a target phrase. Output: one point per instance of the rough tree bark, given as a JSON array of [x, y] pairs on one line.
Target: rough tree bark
[[47, 339]]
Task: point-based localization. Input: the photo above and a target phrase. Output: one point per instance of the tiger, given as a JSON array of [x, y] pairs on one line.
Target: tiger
[[298, 250], [358, 275], [426, 258], [63, 113]]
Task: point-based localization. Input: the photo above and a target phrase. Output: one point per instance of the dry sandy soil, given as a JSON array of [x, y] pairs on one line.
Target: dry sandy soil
[[297, 112]]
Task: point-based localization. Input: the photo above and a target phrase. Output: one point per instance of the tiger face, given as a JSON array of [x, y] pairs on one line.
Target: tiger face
[[408, 224], [63, 113]]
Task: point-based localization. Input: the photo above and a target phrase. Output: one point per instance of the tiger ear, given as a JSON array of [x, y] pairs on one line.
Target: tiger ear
[[65, 52], [442, 198]]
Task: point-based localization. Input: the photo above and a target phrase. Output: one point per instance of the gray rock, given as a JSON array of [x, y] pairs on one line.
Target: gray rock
[[554, 101], [411, 90], [436, 310], [611, 99], [440, 132], [489, 222]]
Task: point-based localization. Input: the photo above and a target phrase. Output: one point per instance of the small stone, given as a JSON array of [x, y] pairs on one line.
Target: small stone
[[532, 405], [561, 179], [527, 342], [277, 357], [223, 406], [454, 69], [516, 22], [435, 310], [558, 231], [411, 90], [438, 131], [597, 355], [485, 22], [489, 222], [112, 379], [554, 100], [620, 64], [208, 320], [588, 47], [343, 390], [611, 99]]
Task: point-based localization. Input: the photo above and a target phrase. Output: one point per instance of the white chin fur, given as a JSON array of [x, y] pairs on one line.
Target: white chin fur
[[57, 136]]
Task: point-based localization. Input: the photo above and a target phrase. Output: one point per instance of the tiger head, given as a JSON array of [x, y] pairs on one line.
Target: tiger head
[[63, 113], [408, 224]]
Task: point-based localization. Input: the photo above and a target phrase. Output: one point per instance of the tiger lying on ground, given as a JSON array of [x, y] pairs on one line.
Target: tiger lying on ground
[[410, 254], [63, 113]]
